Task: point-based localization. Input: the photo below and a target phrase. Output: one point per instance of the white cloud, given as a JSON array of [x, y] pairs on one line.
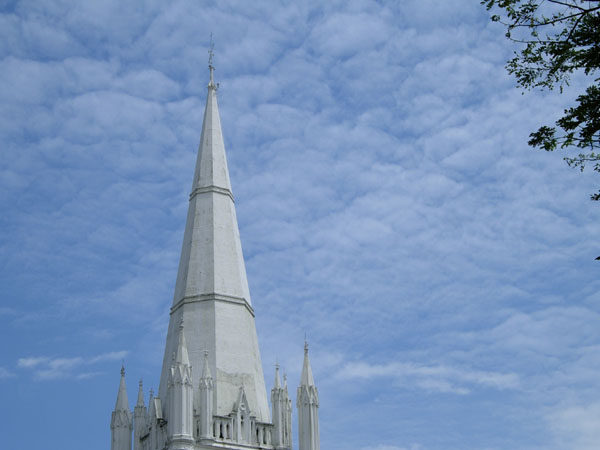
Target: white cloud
[[32, 362], [576, 425], [432, 378], [5, 373], [51, 368], [392, 447], [7, 311], [112, 356]]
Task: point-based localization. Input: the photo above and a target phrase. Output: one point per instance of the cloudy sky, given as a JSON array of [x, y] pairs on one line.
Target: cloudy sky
[[389, 208]]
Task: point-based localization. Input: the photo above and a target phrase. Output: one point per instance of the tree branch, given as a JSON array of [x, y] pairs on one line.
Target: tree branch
[[569, 5]]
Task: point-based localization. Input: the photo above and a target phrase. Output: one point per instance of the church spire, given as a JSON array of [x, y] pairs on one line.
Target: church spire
[[206, 375], [281, 414], [180, 397], [206, 400], [140, 419], [140, 398], [212, 330], [307, 377], [202, 269], [307, 402], [122, 400], [211, 292], [182, 351], [277, 380], [121, 421]]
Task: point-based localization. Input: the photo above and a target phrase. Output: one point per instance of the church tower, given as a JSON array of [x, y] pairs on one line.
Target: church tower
[[212, 390], [139, 419], [121, 421], [307, 402]]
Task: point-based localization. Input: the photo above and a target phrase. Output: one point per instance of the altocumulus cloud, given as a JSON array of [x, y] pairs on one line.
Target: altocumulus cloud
[[392, 447], [435, 378], [388, 207], [51, 368], [5, 373]]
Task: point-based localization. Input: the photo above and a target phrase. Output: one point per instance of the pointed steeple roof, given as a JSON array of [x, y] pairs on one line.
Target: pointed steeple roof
[[151, 404], [307, 377], [206, 367], [211, 292], [122, 400], [211, 258], [211, 167], [277, 380], [140, 397], [182, 351]]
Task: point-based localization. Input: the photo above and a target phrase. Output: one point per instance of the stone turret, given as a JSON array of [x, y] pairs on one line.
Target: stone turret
[[121, 420], [180, 398], [140, 419], [206, 401], [287, 430], [307, 402], [281, 414]]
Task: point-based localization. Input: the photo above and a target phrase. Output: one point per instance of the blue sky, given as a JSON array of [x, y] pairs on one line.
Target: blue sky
[[388, 204]]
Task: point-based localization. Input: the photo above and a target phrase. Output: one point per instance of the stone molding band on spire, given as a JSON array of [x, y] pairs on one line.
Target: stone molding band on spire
[[212, 188], [212, 297]]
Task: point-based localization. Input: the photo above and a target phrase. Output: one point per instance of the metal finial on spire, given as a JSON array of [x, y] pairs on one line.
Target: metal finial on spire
[[123, 368], [211, 56]]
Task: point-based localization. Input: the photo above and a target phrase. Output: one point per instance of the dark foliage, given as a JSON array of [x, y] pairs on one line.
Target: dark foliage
[[558, 39]]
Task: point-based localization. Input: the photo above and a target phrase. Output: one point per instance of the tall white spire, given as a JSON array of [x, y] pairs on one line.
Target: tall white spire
[[122, 400], [180, 398], [277, 379], [205, 407], [212, 332], [182, 351], [306, 378], [282, 414], [121, 421], [140, 419], [211, 293], [307, 402], [140, 397], [211, 256]]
